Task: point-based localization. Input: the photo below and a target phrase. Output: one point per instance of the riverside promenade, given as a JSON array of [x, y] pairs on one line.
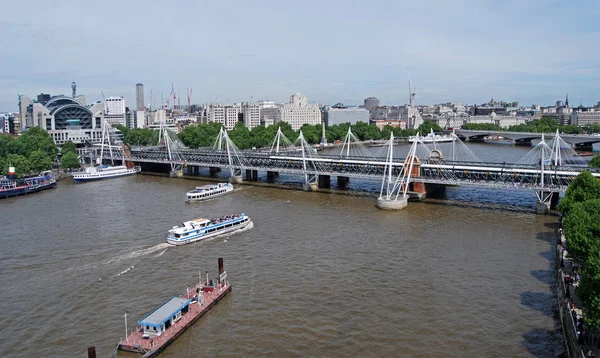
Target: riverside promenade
[[579, 342]]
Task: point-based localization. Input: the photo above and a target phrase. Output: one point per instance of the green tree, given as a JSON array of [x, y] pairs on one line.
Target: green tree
[[68, 147], [39, 161], [35, 138], [595, 162], [240, 135], [584, 187], [582, 229], [69, 161], [426, 127], [21, 164], [6, 145], [312, 133]]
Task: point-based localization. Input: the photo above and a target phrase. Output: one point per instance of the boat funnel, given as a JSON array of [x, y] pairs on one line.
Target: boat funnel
[[221, 269], [11, 173]]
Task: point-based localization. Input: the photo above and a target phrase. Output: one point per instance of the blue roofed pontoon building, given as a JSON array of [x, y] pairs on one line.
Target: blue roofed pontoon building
[[156, 322]]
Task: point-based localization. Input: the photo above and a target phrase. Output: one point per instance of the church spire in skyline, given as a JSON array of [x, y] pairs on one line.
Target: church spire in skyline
[[567, 100]]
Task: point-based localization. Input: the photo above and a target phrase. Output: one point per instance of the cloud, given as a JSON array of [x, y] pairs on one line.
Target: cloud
[[466, 51]]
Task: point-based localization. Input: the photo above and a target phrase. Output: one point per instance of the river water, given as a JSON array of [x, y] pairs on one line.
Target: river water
[[317, 274]]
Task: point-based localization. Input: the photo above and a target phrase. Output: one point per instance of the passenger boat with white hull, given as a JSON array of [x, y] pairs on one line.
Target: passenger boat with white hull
[[105, 172], [208, 191], [101, 171], [432, 138], [200, 229]]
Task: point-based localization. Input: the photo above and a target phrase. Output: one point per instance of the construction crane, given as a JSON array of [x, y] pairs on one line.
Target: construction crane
[[105, 104], [411, 93], [174, 95], [189, 98]]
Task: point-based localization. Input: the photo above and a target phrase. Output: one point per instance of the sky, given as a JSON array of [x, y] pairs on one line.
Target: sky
[[467, 51]]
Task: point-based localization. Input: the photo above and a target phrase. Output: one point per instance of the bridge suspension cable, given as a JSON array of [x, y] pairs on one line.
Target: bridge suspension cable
[[281, 143], [235, 159], [310, 164], [353, 147]]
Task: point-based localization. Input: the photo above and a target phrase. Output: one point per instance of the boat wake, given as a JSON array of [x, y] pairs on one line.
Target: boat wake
[[143, 252], [161, 253], [245, 228], [124, 271]]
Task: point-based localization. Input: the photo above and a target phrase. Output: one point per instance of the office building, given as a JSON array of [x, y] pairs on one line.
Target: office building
[[139, 96], [336, 115], [371, 103], [299, 112], [4, 123], [583, 119], [114, 111]]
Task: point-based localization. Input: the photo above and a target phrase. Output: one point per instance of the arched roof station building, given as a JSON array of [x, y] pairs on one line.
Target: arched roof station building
[[66, 119]]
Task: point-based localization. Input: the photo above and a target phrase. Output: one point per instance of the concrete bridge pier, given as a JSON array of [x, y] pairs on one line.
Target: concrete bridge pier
[[236, 179], [550, 201], [554, 201], [542, 208], [522, 142], [391, 204], [251, 175], [343, 182], [585, 146], [192, 170], [434, 190], [310, 186], [324, 181]]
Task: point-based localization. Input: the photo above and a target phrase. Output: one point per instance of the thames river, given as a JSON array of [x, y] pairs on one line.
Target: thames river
[[317, 275]]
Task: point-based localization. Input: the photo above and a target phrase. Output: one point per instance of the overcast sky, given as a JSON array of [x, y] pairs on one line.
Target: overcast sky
[[532, 51]]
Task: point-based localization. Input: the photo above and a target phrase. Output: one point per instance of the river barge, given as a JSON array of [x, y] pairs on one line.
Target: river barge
[[28, 185], [200, 229], [160, 327]]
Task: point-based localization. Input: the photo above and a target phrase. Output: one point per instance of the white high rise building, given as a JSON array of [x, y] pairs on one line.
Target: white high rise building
[[232, 115], [251, 112], [114, 111], [299, 112]]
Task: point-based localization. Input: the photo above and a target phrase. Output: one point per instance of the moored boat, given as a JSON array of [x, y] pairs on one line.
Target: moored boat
[[432, 138], [160, 327], [200, 229], [32, 184], [585, 154], [104, 172], [208, 191]]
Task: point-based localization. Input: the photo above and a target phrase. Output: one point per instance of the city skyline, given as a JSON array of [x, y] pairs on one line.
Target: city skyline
[[331, 52]]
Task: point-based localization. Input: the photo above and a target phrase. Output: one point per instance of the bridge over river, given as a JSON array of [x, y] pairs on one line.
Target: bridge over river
[[580, 141], [547, 169]]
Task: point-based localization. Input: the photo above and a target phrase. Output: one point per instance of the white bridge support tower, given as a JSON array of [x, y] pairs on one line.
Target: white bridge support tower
[[310, 174], [394, 192], [544, 198], [234, 159]]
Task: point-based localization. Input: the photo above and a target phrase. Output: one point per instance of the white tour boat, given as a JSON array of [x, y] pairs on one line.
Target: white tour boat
[[208, 191], [432, 138], [105, 172], [200, 229]]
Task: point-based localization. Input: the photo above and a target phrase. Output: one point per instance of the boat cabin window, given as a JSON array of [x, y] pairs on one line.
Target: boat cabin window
[[177, 235]]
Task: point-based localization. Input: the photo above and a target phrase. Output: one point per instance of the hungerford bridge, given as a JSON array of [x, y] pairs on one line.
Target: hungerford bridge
[[547, 169]]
